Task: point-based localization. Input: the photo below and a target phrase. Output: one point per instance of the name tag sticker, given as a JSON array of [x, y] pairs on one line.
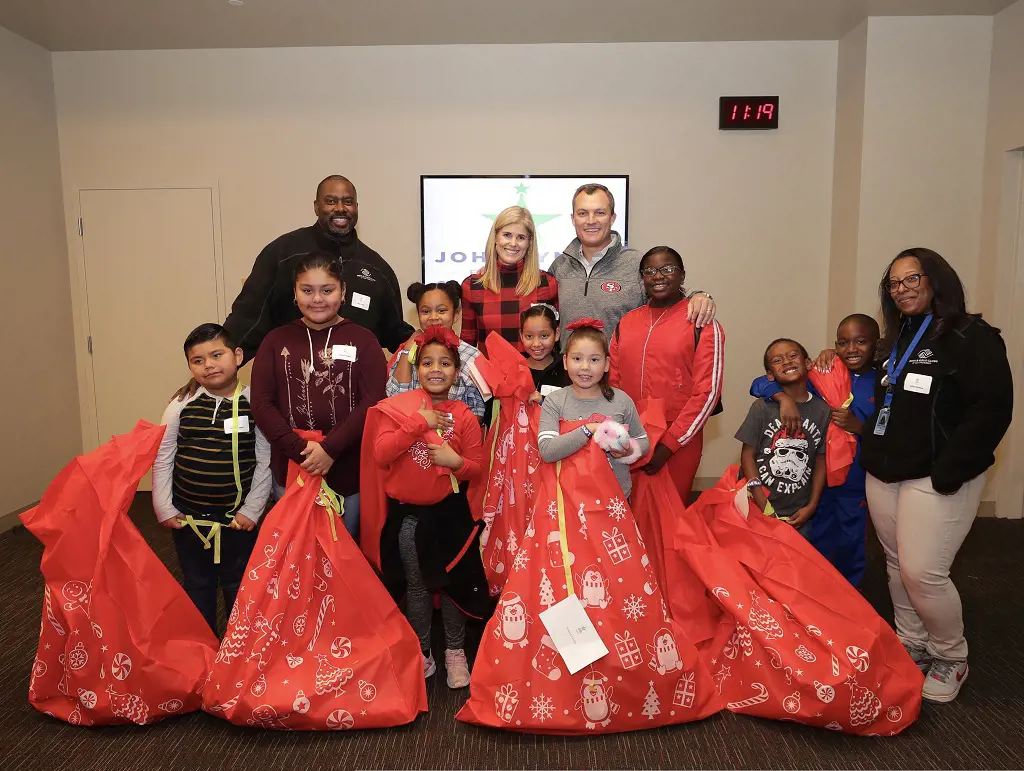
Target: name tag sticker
[[243, 425], [919, 384], [343, 352], [547, 390], [360, 301], [573, 634]]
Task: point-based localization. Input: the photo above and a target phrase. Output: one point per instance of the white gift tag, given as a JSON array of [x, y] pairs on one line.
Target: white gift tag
[[547, 390], [343, 352], [919, 384], [573, 634], [243, 425], [360, 301]]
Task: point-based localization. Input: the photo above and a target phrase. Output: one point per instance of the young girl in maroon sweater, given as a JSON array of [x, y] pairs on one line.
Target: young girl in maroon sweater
[[319, 373]]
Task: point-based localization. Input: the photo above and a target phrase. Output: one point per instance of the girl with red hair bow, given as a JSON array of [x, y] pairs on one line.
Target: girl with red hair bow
[[420, 449]]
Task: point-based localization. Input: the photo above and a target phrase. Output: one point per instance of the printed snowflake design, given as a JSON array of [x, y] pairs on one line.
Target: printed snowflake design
[[634, 608], [528, 488], [499, 477], [521, 560], [542, 707], [553, 509], [616, 509]]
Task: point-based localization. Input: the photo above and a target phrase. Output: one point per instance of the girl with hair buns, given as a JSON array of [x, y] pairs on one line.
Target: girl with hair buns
[[438, 304], [510, 282]]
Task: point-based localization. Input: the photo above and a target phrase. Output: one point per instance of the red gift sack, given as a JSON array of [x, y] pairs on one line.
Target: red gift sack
[[506, 495], [840, 446], [314, 641], [651, 676], [795, 641], [120, 641]]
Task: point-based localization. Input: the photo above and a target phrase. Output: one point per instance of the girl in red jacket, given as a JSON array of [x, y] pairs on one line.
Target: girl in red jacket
[[419, 451], [658, 354]]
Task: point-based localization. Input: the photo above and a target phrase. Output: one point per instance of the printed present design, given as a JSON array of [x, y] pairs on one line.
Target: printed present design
[[506, 699], [616, 545], [686, 690], [629, 651]]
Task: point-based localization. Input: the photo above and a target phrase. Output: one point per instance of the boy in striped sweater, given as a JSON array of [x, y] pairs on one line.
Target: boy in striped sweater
[[211, 478]]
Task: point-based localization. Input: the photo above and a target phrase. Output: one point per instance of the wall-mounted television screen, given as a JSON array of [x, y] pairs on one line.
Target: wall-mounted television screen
[[457, 213]]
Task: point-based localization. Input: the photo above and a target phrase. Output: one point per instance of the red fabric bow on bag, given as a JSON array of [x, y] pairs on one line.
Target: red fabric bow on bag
[[436, 333], [586, 321]]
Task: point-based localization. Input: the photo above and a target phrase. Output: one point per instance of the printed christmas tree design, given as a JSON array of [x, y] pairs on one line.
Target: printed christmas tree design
[[547, 591], [864, 705], [329, 678], [760, 620], [128, 705], [652, 704]]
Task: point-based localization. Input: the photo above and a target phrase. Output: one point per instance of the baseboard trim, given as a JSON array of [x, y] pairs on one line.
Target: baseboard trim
[[985, 508], [11, 520]]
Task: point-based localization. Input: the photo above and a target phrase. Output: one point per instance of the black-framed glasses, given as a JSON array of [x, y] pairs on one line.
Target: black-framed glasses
[[665, 270], [913, 281]]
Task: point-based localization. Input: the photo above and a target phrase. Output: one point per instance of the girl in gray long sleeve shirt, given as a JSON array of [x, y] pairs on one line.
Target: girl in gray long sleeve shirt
[[586, 361]]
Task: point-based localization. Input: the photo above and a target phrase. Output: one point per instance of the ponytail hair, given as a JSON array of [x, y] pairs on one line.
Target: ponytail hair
[[328, 263], [591, 329], [453, 289]]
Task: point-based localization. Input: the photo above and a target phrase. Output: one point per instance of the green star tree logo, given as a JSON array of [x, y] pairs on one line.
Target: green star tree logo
[[538, 219]]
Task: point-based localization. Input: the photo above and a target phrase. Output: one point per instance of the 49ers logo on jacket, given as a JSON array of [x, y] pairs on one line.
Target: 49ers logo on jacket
[[610, 286]]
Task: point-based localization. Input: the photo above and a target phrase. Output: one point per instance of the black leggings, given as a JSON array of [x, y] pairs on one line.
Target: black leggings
[[419, 601]]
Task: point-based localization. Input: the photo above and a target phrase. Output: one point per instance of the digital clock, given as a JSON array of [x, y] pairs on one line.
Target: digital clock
[[748, 112]]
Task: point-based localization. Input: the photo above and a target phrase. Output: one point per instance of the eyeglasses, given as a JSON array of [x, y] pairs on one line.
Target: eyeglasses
[[913, 281], [665, 270]]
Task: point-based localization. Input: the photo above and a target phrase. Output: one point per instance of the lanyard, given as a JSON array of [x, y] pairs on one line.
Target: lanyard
[[894, 372], [234, 447]]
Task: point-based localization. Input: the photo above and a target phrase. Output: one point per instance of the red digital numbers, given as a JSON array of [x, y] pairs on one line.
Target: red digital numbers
[[750, 112]]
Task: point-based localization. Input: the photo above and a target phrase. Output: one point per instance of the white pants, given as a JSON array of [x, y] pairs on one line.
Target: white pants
[[921, 531]]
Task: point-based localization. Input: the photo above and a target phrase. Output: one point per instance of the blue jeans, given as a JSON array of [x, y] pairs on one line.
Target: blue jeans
[[351, 516]]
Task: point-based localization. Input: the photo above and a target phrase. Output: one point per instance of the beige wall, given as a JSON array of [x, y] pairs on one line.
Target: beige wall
[[1001, 264], [40, 419], [925, 110], [749, 211], [849, 154]]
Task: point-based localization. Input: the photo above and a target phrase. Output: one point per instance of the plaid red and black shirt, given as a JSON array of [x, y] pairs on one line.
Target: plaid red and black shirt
[[484, 311]]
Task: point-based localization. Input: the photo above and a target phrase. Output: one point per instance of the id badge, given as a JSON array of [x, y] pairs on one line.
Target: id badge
[[883, 421]]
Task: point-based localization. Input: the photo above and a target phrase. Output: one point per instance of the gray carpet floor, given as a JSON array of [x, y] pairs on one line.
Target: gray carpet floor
[[984, 728]]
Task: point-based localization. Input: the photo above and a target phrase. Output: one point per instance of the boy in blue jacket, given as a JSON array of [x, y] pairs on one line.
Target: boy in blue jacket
[[839, 528]]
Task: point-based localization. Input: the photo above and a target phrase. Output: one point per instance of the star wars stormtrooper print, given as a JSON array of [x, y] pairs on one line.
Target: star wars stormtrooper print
[[784, 462]]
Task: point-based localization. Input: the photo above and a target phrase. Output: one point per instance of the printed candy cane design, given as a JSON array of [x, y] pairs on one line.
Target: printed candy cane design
[[328, 602], [762, 696], [48, 602], [269, 562]]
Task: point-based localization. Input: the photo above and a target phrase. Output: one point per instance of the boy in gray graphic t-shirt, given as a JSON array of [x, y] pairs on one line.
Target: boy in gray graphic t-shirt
[[786, 471]]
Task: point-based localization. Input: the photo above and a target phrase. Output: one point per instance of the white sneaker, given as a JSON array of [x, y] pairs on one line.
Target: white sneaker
[[944, 680], [920, 656], [429, 665], [458, 668]]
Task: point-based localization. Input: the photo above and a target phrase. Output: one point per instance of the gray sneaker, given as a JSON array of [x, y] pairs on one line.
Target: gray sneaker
[[944, 680], [920, 656]]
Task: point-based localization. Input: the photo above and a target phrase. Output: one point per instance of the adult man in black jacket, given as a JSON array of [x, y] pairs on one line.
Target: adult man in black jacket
[[372, 297]]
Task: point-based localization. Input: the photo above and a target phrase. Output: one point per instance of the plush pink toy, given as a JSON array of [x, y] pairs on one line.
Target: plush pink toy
[[615, 436]]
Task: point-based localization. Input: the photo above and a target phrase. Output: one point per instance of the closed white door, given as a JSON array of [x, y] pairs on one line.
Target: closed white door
[[151, 277]]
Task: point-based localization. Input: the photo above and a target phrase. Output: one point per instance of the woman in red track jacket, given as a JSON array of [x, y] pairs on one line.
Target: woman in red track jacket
[[657, 354]]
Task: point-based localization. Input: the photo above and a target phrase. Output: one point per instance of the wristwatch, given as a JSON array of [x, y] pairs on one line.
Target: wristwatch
[[587, 432]]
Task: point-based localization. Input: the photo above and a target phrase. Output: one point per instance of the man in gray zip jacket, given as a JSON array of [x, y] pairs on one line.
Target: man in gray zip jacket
[[598, 276]]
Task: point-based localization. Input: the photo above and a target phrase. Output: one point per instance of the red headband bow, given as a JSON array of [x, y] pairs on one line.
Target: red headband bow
[[436, 333], [586, 322]]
